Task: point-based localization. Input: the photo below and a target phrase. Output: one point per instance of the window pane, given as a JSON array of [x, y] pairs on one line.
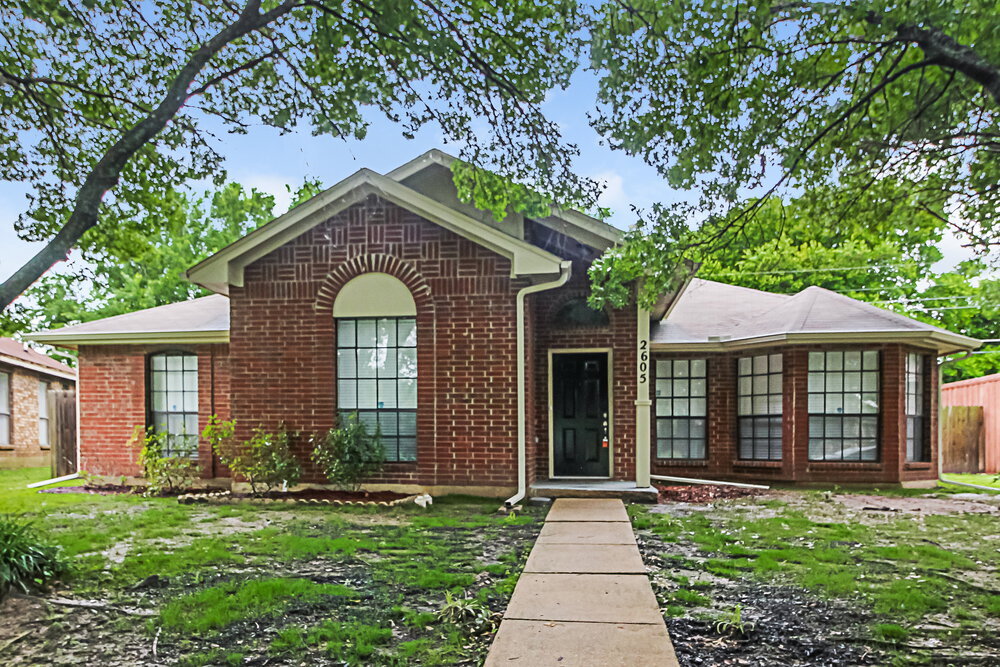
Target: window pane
[[4, 429], [366, 333], [367, 362], [816, 361], [190, 362], [698, 407], [345, 333], [852, 360], [347, 395], [190, 402], [386, 333], [407, 333], [698, 367], [347, 365], [744, 366], [174, 363], [869, 360], [776, 363], [158, 362], [407, 363], [408, 423], [681, 368], [834, 361]]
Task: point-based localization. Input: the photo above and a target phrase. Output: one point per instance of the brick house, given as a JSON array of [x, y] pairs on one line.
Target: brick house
[[470, 343], [26, 376]]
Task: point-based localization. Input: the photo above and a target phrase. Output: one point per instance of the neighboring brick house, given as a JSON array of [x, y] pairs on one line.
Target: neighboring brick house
[[470, 343], [26, 375]]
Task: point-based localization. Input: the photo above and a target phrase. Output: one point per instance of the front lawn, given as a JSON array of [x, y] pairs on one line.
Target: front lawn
[[828, 578], [274, 584]]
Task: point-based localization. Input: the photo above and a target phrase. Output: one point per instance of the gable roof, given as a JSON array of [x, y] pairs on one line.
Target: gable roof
[[202, 320], [16, 353], [715, 316], [575, 224], [225, 267]]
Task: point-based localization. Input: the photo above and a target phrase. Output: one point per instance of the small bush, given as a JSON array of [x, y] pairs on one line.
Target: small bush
[[26, 562], [349, 454], [265, 461], [164, 472]]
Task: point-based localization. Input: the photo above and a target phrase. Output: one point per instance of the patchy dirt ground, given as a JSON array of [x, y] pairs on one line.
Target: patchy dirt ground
[[156, 582], [707, 559]]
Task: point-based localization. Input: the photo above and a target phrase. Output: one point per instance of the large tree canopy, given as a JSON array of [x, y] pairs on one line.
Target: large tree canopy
[[107, 105], [737, 99]]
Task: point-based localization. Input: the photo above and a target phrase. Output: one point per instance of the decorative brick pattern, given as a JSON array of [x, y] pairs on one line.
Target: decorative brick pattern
[[283, 341]]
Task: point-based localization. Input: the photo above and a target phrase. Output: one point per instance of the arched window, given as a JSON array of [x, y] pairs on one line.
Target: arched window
[[578, 313], [173, 401], [377, 360]]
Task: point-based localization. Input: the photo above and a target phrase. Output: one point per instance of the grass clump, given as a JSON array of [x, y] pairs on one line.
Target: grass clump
[[26, 561], [891, 632], [219, 606], [348, 642]]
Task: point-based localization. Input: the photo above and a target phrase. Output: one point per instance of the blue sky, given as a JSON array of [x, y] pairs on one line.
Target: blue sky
[[266, 160]]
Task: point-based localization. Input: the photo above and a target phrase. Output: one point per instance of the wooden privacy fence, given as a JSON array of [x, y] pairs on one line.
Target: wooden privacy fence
[[62, 431], [963, 441]]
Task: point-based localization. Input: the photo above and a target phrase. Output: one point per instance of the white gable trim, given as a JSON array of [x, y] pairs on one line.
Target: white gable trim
[[226, 267]]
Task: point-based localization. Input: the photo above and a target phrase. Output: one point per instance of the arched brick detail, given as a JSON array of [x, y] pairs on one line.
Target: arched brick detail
[[373, 263]]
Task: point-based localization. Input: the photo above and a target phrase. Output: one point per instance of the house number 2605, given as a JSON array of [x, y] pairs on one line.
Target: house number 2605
[[643, 360]]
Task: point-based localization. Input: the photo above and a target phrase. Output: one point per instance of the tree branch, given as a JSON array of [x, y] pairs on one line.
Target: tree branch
[[106, 172]]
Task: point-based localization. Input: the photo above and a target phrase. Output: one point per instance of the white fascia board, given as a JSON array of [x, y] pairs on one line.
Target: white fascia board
[[71, 340], [37, 368], [227, 266], [939, 341]]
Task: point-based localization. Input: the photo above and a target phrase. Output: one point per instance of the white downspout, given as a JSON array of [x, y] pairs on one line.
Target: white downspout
[[565, 270]]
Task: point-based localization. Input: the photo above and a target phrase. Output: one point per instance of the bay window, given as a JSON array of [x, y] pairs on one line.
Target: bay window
[[759, 407], [843, 405], [681, 408]]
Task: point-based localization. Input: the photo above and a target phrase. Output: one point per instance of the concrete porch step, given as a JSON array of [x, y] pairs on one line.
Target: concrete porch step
[[587, 488]]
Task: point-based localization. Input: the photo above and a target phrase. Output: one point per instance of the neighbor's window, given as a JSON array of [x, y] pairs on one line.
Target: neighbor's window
[[843, 405], [173, 401], [43, 414], [916, 444], [759, 407], [681, 390], [4, 408], [377, 379]]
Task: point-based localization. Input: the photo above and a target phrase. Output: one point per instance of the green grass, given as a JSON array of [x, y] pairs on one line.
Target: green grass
[[219, 582], [992, 480], [219, 606], [903, 568], [891, 632]]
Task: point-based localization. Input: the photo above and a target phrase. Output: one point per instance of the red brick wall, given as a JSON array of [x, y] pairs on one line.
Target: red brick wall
[[112, 391], [722, 455], [620, 336], [24, 448], [283, 340]]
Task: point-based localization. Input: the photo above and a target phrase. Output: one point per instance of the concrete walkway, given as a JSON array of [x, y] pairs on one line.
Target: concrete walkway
[[584, 597]]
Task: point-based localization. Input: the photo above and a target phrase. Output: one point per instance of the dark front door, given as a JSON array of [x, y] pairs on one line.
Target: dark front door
[[580, 415]]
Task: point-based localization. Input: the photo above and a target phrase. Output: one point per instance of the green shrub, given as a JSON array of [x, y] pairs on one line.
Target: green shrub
[[26, 562], [265, 461], [348, 454], [165, 472]]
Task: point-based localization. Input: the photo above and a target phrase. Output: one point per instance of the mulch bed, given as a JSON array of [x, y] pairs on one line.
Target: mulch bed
[[324, 496], [703, 493]]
